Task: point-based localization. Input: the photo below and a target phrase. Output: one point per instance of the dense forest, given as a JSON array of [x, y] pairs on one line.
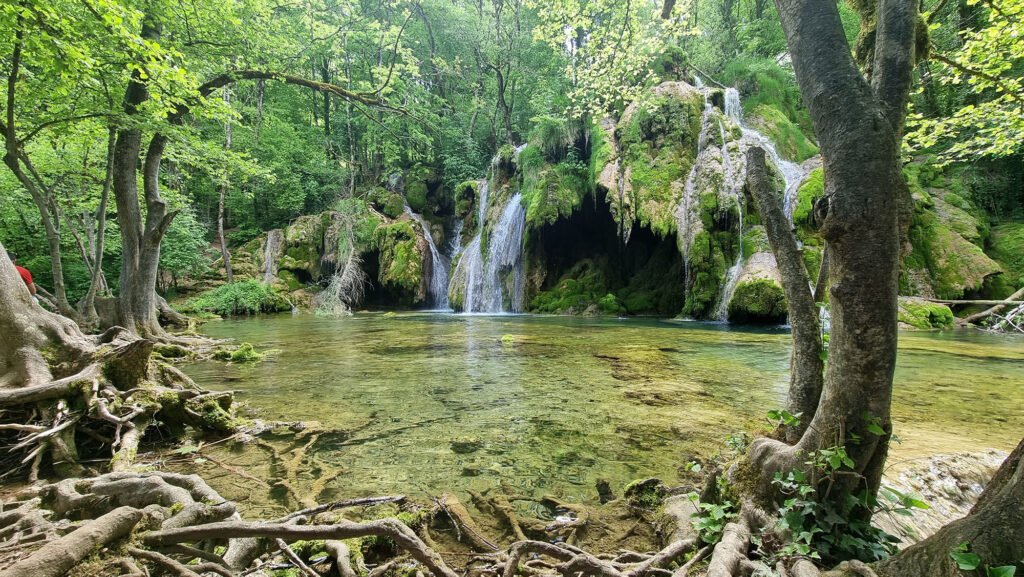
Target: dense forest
[[847, 169]]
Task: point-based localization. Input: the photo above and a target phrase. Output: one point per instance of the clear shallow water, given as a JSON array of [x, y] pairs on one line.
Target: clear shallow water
[[436, 402]]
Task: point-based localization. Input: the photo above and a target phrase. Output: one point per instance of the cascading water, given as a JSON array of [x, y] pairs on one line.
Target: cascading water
[[733, 274], [437, 285], [486, 281], [505, 256], [792, 174], [271, 253]]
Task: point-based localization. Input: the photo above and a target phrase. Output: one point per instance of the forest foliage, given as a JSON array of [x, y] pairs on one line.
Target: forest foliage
[[470, 78]]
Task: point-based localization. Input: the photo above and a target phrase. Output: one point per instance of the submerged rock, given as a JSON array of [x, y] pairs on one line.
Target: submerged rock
[[948, 484]]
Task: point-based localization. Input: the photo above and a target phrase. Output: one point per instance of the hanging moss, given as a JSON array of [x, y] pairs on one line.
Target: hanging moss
[[550, 192], [465, 198]]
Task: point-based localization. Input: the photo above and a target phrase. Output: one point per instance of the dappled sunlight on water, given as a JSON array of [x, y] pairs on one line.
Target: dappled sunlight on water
[[434, 402]]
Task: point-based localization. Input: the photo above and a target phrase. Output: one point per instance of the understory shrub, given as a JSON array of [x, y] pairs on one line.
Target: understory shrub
[[247, 297]]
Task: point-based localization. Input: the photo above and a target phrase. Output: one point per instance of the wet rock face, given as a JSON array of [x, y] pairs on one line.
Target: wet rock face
[[949, 484]]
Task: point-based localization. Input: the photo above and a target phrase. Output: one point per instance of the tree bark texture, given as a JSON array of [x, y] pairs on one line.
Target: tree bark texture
[[860, 151]]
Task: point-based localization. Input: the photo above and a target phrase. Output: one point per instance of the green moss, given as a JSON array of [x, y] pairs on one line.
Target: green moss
[[954, 263], [416, 195], [584, 285], [393, 205], [790, 141], [401, 265], [550, 192], [658, 142], [811, 189], [1006, 246], [289, 279], [176, 508], [171, 351], [755, 240], [922, 314], [812, 261], [757, 301], [245, 354], [245, 297], [465, 198], [707, 269]]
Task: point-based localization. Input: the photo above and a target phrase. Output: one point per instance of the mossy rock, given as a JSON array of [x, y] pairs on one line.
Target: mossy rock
[[401, 265], [245, 353], [416, 195], [757, 301], [583, 287], [1006, 246], [954, 263], [789, 140], [658, 136], [465, 198], [921, 314]]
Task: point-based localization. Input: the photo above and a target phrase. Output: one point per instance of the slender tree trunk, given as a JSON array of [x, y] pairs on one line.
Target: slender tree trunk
[[18, 163], [98, 281], [223, 192], [503, 104], [805, 366], [348, 120]]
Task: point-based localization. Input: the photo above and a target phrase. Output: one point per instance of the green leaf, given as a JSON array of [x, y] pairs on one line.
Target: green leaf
[[873, 428], [186, 449], [1004, 571], [966, 561]]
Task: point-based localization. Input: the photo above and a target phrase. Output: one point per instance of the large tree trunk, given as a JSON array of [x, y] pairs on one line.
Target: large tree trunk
[[140, 240], [992, 530], [858, 127]]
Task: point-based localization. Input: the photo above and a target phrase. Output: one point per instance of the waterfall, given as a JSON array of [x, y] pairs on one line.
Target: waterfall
[[486, 281], [792, 174], [271, 254], [437, 285], [505, 256], [733, 274], [471, 262]]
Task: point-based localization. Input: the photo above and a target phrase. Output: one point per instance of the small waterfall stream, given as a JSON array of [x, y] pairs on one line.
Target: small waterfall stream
[[733, 274], [482, 278], [792, 174], [437, 285], [271, 254]]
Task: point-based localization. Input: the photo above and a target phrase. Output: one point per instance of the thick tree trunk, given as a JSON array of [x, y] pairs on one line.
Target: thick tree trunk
[[992, 530], [805, 366], [140, 240], [857, 126]]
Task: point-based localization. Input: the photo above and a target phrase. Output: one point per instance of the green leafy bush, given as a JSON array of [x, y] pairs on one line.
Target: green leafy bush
[[241, 298]]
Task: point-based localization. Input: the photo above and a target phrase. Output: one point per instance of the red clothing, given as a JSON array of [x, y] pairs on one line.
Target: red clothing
[[25, 275]]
